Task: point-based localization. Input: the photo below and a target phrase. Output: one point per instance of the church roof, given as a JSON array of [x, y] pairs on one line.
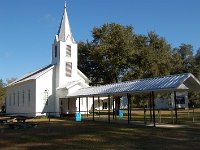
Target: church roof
[[64, 32], [71, 84], [83, 75], [170, 83], [32, 75]]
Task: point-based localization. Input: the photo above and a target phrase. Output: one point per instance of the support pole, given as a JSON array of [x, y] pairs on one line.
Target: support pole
[[87, 105], [109, 108], [113, 108], [145, 118], [49, 122], [154, 117], [175, 102], [130, 109], [93, 109], [99, 105], [68, 105], [150, 106], [79, 104], [128, 96], [172, 115], [193, 113], [159, 116]]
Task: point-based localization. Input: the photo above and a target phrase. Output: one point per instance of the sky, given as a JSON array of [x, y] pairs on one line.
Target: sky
[[28, 27]]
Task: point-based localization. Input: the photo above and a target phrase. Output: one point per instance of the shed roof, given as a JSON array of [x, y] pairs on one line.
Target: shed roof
[[177, 82]]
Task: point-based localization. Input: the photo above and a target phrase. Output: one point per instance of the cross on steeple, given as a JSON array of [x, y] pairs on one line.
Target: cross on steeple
[[65, 4]]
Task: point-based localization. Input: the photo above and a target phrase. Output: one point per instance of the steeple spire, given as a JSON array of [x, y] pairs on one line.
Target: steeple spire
[[64, 32], [65, 4]]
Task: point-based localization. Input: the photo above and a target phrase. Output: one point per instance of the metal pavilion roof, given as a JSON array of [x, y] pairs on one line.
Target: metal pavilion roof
[[177, 82]]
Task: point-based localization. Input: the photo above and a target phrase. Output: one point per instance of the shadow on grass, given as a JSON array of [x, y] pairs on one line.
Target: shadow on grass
[[97, 135]]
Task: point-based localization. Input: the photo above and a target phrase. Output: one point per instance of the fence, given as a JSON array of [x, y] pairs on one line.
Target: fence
[[167, 116], [143, 116]]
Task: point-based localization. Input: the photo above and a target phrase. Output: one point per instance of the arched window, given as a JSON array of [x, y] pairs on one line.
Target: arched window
[[46, 96]]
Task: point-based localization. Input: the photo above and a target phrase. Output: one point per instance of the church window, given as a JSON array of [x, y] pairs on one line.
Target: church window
[[46, 96], [14, 98], [56, 49], [18, 98], [10, 100], [23, 97], [68, 69], [68, 50], [29, 97]]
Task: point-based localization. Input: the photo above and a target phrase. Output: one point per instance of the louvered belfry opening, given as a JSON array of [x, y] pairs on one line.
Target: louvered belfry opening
[[68, 69]]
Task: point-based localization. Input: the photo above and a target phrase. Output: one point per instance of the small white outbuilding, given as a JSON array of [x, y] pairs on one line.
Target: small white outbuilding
[[168, 102]]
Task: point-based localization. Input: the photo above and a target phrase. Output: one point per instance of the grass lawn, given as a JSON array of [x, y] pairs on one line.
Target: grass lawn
[[65, 134], [164, 116]]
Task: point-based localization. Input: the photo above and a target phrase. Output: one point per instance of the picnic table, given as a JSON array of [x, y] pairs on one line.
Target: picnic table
[[21, 122], [4, 119], [22, 118]]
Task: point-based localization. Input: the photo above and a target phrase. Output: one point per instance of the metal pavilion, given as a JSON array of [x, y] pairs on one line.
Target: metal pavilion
[[172, 83]]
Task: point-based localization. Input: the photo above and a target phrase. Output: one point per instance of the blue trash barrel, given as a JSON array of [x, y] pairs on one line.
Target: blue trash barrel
[[78, 116], [121, 114]]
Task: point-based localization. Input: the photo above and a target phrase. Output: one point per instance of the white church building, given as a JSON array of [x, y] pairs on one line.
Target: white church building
[[45, 89]]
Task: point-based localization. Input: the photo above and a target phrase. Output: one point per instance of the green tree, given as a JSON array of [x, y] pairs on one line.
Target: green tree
[[88, 64], [196, 68], [184, 59], [152, 57], [2, 92], [109, 53], [177, 63]]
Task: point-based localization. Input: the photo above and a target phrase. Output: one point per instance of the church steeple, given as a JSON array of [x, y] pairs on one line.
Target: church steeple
[[65, 53], [64, 32]]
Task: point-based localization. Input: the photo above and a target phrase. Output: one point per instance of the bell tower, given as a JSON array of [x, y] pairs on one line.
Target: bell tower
[[64, 53]]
